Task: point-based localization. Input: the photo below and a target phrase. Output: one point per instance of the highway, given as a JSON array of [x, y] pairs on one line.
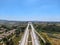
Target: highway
[[35, 40], [34, 37], [24, 40]]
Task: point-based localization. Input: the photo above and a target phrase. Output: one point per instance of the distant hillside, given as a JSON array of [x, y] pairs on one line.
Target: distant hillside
[[12, 22], [22, 22]]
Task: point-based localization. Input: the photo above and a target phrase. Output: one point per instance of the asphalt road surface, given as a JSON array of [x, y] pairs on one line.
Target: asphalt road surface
[[24, 40]]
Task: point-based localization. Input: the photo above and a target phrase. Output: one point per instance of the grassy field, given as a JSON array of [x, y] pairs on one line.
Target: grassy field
[[52, 40], [40, 38]]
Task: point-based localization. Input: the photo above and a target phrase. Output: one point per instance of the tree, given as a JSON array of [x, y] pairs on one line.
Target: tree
[[17, 32], [5, 39], [10, 42]]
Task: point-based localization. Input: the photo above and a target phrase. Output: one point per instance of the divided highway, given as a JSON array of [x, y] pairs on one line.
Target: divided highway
[[34, 37]]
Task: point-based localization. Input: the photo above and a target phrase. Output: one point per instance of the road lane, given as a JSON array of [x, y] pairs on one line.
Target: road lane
[[35, 40], [25, 37], [24, 40]]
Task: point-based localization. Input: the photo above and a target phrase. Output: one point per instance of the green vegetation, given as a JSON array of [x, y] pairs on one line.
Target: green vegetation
[[1, 32], [48, 32], [17, 39], [50, 28]]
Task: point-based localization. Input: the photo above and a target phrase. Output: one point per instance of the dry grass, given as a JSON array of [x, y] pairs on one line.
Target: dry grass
[[1, 44], [53, 41]]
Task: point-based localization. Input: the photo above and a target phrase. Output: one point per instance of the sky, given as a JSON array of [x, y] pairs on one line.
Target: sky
[[30, 10]]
